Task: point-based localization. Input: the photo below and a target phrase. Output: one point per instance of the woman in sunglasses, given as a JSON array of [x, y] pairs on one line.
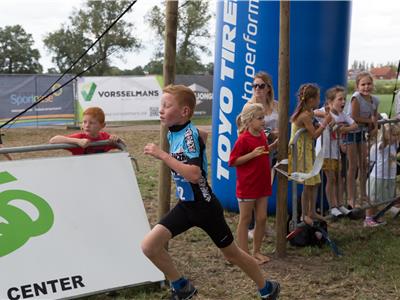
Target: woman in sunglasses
[[263, 92]]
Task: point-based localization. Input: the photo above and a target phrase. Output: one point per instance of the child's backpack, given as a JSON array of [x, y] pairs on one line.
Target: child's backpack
[[309, 235]]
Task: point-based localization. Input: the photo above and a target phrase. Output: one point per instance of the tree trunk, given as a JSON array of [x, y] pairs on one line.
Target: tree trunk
[[164, 187], [283, 89]]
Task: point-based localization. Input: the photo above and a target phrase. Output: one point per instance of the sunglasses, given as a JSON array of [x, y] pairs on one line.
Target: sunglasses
[[260, 86]]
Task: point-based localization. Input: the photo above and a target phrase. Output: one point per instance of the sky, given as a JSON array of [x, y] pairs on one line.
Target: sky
[[374, 31]]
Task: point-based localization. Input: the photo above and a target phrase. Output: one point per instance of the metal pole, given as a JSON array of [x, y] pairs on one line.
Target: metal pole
[[283, 89], [164, 187]]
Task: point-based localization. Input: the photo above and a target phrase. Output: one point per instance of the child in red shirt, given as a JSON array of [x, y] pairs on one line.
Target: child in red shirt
[[253, 176], [93, 123]]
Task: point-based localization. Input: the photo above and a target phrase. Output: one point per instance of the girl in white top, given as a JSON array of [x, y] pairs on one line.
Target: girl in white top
[[332, 137], [382, 179]]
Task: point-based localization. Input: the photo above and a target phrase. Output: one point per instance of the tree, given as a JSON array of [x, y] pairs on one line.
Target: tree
[[155, 66], [135, 71], [210, 68], [86, 25], [138, 71], [193, 34], [354, 66], [16, 52]]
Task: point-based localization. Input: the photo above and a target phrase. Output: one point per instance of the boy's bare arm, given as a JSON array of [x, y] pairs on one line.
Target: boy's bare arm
[[115, 139], [60, 139], [191, 173]]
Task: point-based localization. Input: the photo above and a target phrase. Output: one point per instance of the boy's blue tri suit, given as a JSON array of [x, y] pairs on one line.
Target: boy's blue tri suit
[[197, 205]]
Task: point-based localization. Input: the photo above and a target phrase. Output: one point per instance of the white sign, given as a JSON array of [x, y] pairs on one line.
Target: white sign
[[71, 226], [123, 98]]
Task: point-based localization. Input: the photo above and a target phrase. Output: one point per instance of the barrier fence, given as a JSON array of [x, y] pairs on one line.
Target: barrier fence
[[374, 176]]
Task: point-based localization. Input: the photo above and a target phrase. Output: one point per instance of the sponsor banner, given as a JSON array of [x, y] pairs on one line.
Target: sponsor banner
[[123, 98], [202, 86], [66, 234], [17, 92]]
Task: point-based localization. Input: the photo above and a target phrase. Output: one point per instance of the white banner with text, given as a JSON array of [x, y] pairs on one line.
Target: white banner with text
[[71, 226], [123, 98]]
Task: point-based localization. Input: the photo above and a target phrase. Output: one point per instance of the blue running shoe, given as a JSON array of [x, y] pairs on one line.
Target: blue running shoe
[[185, 293], [274, 292]]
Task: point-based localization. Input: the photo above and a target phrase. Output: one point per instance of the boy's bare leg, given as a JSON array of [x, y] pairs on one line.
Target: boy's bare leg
[[154, 247], [245, 262]]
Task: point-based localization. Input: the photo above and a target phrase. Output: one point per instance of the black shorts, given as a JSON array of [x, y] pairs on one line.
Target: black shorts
[[208, 216]]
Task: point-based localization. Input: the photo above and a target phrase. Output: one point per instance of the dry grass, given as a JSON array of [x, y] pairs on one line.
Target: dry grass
[[370, 268]]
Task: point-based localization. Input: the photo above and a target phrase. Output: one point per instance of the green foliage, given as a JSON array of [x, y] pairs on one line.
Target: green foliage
[[192, 36], [154, 67], [16, 52], [86, 25], [137, 71]]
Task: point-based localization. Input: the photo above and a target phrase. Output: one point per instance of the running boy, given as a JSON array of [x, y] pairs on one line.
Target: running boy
[[197, 205], [93, 123]]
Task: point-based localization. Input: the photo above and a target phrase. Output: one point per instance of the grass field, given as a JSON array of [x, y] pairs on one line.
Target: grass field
[[369, 269], [386, 103]]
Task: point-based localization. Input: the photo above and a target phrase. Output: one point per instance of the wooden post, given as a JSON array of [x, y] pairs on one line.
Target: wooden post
[[283, 90], [164, 186]]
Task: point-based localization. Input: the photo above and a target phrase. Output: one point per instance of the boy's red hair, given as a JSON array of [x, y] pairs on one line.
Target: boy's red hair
[[184, 95], [95, 112]]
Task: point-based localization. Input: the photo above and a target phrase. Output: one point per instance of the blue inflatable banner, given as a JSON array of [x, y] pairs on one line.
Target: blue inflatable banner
[[247, 41]]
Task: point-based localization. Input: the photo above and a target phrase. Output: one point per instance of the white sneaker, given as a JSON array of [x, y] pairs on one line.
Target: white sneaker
[[250, 234], [336, 212], [344, 210]]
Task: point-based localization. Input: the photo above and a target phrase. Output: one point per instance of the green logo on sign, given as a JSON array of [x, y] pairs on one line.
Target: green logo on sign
[[88, 91], [19, 227]]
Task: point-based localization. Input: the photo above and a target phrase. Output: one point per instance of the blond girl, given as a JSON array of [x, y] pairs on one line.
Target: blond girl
[[253, 176]]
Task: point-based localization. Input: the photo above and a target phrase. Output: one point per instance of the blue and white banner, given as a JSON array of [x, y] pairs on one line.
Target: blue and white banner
[[18, 92]]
